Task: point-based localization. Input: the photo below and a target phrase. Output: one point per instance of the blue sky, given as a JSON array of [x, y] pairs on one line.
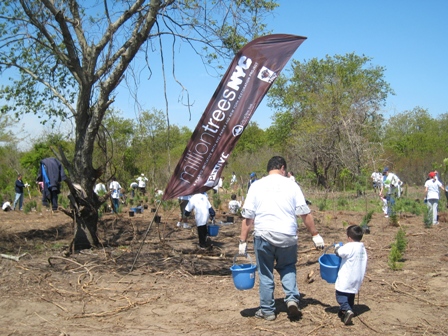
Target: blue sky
[[408, 38]]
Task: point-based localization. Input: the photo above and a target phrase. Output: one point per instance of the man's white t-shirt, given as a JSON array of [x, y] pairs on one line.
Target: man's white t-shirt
[[99, 187], [234, 205], [377, 177], [200, 204], [276, 202], [353, 267], [142, 181], [391, 183], [115, 187], [433, 188]]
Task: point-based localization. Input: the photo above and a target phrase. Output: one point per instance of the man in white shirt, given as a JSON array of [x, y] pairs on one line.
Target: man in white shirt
[[100, 189], [115, 188], [389, 189], [202, 210], [377, 180], [142, 179], [271, 208], [234, 205]]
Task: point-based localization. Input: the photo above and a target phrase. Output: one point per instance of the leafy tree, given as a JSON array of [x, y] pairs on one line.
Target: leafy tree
[[41, 150], [328, 114], [116, 148], [252, 139], [71, 55], [409, 141]]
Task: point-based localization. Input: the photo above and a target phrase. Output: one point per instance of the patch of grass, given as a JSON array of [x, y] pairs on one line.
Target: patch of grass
[[322, 205], [28, 206], [342, 202], [57, 246]]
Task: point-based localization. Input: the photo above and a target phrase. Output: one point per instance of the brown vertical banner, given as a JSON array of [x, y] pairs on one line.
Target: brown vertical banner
[[246, 81]]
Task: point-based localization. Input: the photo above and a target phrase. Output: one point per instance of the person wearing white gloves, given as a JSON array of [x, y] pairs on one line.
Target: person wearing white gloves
[[271, 207]]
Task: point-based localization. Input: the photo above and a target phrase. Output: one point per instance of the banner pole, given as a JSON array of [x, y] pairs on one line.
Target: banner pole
[[144, 237]]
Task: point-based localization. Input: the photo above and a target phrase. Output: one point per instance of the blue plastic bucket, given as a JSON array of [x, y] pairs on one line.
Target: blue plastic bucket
[[243, 275], [329, 267], [213, 230]]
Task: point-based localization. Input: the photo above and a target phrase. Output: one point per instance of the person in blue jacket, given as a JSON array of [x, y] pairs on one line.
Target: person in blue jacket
[[51, 173]]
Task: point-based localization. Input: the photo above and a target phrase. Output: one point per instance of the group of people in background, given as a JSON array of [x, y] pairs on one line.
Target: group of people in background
[[50, 176], [389, 187], [117, 191]]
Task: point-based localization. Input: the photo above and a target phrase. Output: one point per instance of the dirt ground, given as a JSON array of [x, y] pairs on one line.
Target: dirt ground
[[176, 289]]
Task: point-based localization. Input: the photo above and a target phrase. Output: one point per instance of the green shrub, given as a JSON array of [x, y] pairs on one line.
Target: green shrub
[[28, 206], [427, 218], [323, 204], [397, 250], [216, 201], [394, 257], [342, 202]]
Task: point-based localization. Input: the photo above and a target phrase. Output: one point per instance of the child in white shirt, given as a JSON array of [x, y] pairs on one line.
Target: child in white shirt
[[234, 205], [351, 272]]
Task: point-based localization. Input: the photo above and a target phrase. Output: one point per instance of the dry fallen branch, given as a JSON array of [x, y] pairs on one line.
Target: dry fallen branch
[[368, 325], [15, 258], [317, 328], [394, 287], [116, 311], [269, 331], [57, 305]]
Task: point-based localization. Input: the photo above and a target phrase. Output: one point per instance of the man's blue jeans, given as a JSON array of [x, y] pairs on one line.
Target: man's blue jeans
[[283, 259], [390, 204], [116, 204], [19, 197]]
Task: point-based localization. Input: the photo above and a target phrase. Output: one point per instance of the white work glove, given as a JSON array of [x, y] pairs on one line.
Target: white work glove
[[336, 247], [26, 185], [318, 241], [242, 248]]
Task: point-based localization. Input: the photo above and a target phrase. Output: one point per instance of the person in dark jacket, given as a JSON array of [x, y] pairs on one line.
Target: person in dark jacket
[[51, 172], [19, 192]]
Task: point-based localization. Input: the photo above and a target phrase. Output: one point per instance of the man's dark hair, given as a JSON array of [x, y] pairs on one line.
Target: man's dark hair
[[276, 162], [355, 232], [233, 197]]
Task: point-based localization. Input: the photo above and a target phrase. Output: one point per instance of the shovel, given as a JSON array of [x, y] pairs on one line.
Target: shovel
[[29, 194]]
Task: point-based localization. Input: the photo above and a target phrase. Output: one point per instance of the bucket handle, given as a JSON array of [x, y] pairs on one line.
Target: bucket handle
[[331, 246], [245, 255]]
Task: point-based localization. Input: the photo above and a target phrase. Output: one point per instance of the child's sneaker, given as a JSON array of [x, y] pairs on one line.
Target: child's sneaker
[[348, 317], [179, 224], [186, 226]]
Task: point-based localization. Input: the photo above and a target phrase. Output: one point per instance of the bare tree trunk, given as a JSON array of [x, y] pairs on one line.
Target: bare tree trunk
[[84, 212]]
